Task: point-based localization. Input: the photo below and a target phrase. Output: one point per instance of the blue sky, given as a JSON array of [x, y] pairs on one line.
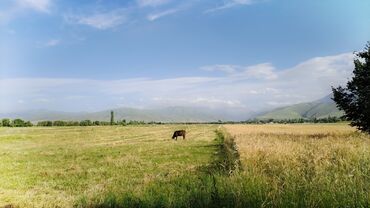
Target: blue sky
[[247, 54]]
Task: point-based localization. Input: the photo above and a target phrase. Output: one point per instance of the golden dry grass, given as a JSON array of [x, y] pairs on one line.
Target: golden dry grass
[[140, 166], [322, 164]]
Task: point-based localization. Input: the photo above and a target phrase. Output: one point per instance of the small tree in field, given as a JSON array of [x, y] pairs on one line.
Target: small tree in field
[[354, 99], [111, 118]]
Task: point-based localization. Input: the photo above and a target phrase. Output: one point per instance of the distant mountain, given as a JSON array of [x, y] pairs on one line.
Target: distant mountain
[[321, 108], [168, 114]]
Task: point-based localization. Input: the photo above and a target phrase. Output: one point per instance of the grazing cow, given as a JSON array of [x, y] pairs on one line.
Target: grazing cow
[[179, 133]]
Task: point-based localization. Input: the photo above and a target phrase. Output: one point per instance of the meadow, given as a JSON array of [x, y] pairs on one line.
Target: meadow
[[68, 166], [301, 165]]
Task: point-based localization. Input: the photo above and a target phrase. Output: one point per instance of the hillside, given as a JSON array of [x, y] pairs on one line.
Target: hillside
[[322, 108], [168, 114]]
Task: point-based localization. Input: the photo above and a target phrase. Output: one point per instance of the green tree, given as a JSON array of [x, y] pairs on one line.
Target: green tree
[[28, 124], [86, 123], [59, 123], [18, 123], [354, 99], [45, 123], [6, 122], [124, 123], [111, 118]]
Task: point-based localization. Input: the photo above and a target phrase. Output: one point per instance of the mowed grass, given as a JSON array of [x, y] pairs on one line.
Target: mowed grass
[[301, 165], [83, 166]]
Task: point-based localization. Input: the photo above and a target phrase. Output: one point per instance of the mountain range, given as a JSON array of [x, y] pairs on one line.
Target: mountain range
[[322, 108], [168, 114]]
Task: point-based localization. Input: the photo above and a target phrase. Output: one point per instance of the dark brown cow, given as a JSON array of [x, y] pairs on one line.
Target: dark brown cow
[[179, 133]]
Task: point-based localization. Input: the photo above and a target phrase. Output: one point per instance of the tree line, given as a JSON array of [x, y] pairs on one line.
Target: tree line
[[21, 123], [15, 123], [91, 123], [330, 119], [6, 122]]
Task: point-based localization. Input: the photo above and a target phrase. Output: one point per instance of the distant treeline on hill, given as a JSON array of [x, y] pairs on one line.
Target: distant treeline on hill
[[329, 119], [92, 123], [21, 123]]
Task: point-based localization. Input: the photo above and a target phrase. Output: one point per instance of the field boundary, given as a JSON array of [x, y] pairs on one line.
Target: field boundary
[[208, 186], [228, 157]]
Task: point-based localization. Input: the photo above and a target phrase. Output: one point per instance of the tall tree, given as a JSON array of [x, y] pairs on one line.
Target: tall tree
[[111, 118], [354, 99], [18, 123], [6, 122]]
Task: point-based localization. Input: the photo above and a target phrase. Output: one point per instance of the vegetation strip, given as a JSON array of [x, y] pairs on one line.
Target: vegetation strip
[[207, 187], [228, 158]]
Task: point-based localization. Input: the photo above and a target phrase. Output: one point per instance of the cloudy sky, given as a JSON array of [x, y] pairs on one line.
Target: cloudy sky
[[90, 55]]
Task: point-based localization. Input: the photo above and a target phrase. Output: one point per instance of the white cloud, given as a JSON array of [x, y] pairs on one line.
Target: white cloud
[[19, 7], [207, 102], [144, 3], [231, 3], [155, 16], [262, 87], [101, 21], [230, 69], [38, 5], [41, 100], [261, 71], [52, 43]]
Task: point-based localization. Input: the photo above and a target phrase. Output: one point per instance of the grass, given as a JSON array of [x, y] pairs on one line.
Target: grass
[[233, 166], [65, 166], [305, 165]]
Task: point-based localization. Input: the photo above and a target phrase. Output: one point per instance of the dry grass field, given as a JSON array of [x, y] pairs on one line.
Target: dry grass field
[[303, 165], [308, 165]]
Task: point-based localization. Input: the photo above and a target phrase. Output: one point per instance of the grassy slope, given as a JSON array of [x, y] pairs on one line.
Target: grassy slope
[[65, 166], [304, 110], [324, 110]]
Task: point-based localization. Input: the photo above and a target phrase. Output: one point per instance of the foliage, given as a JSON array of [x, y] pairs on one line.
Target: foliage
[[112, 118], [45, 123], [86, 123], [15, 123], [21, 123], [354, 99], [330, 119], [18, 123], [6, 122]]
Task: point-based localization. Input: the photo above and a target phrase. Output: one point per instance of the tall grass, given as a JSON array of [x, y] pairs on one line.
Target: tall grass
[[306, 165], [281, 166]]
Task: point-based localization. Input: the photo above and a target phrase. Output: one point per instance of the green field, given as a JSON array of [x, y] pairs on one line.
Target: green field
[[66, 166], [141, 166]]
